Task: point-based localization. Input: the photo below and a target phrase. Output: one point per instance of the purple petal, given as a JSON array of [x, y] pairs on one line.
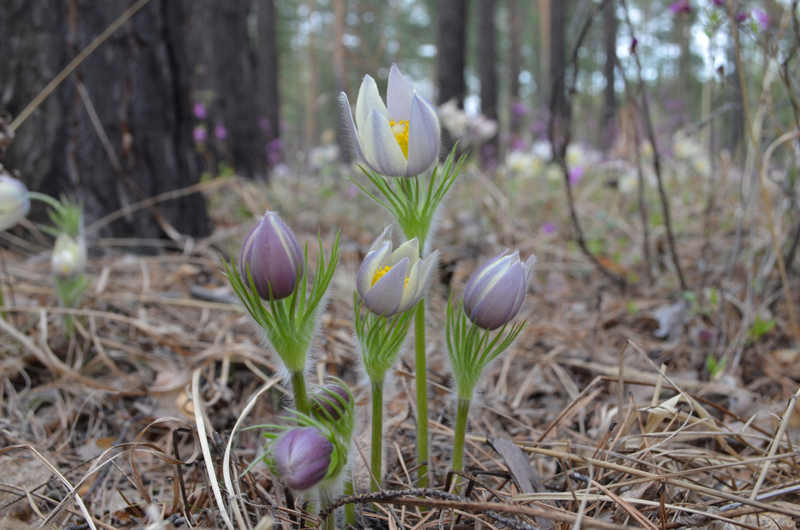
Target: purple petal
[[368, 99], [503, 300], [302, 457], [347, 114], [274, 257], [381, 147], [384, 297], [423, 137], [398, 95], [479, 273], [368, 268]]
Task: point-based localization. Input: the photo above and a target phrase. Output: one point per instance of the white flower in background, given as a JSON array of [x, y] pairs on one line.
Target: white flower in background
[[685, 149], [542, 150], [454, 119], [69, 257], [482, 129], [14, 200]]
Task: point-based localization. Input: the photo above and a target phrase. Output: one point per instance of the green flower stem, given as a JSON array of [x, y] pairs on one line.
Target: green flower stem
[[301, 403], [422, 395], [350, 508], [461, 433], [45, 198], [376, 450], [325, 500]]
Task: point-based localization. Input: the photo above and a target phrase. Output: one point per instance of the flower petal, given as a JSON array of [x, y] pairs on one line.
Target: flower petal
[[384, 297], [408, 250], [381, 147], [423, 136], [368, 99], [355, 137], [529, 267], [419, 279], [399, 94], [489, 275], [368, 268], [385, 236], [497, 306]]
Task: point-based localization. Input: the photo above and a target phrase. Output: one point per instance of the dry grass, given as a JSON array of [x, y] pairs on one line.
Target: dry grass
[[136, 420]]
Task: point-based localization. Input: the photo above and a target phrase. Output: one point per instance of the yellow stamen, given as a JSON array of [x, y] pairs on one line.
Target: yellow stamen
[[400, 130], [381, 272]]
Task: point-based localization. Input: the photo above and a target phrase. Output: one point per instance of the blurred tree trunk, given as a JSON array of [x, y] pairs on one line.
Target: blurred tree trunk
[[137, 83], [269, 95], [608, 121], [735, 119], [544, 53], [312, 86], [557, 66], [487, 71], [451, 50], [514, 52], [222, 63], [340, 76]]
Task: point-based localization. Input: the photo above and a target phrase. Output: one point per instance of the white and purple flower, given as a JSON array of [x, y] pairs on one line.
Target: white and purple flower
[[274, 258]]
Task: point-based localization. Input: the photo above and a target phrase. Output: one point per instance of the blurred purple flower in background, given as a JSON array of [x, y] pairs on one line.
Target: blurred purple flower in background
[[264, 124], [352, 191], [518, 145], [200, 134], [199, 111], [220, 131], [634, 42], [762, 18], [575, 175], [274, 151], [548, 228], [680, 7], [741, 16], [718, 3]]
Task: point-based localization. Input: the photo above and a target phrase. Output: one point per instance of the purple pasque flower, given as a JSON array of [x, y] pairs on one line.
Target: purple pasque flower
[[741, 16], [274, 258], [495, 292], [329, 401], [575, 175], [200, 134], [762, 18], [302, 457], [14, 201], [199, 111], [220, 131], [548, 228], [718, 3], [393, 282], [396, 139], [681, 7]]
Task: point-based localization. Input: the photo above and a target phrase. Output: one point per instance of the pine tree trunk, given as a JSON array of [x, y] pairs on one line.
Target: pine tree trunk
[[608, 121], [451, 50], [136, 83], [268, 72], [557, 65], [514, 52], [340, 77], [487, 73]]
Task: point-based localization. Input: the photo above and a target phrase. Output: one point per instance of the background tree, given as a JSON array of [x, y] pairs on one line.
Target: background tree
[[487, 68], [452, 25], [608, 122], [268, 91], [557, 63]]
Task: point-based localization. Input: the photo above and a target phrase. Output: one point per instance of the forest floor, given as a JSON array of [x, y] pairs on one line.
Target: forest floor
[[608, 393]]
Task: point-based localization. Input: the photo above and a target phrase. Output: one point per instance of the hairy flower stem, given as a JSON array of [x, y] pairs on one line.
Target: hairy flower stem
[[326, 499], [350, 508], [422, 395], [301, 403], [376, 449], [461, 433]]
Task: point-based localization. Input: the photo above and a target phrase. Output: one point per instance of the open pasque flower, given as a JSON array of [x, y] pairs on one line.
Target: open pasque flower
[[14, 200], [495, 292], [274, 257], [393, 282], [396, 139]]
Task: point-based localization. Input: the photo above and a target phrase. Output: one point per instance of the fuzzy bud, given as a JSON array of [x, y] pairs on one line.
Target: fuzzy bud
[[495, 292], [274, 257], [302, 457], [330, 402]]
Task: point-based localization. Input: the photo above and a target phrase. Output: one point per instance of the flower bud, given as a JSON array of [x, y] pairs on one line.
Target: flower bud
[[302, 457], [69, 257], [330, 402], [273, 255], [14, 201], [495, 292]]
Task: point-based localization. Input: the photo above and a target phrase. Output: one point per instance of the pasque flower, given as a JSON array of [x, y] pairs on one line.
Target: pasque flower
[[14, 200], [302, 457], [393, 282], [330, 402], [274, 258], [396, 139], [495, 292], [69, 256]]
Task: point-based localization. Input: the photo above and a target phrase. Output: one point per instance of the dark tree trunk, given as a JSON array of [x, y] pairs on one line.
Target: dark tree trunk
[[514, 52], [734, 120], [268, 71], [487, 72], [340, 77], [136, 82], [608, 124], [451, 50], [557, 66]]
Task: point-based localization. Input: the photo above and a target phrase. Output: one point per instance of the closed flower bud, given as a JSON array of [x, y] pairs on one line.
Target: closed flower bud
[[495, 292], [14, 201], [393, 282], [69, 257], [330, 402], [302, 457], [273, 255], [399, 138]]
